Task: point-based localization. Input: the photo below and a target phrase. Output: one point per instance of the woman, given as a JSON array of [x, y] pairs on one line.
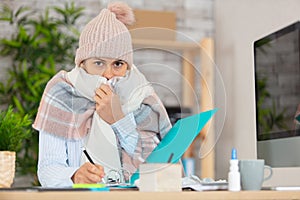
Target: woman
[[104, 105]]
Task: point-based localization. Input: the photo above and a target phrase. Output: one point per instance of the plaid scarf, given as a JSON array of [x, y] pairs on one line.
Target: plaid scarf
[[67, 105], [63, 111]]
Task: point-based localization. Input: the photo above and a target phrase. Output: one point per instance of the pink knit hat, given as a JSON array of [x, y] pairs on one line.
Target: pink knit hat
[[106, 36]]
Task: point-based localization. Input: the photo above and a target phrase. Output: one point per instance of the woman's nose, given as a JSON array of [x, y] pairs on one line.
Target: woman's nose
[[108, 73]]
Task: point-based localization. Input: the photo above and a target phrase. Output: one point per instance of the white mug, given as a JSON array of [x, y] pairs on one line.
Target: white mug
[[252, 173]]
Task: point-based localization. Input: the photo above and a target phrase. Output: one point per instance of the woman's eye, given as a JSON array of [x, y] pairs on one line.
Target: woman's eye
[[99, 63], [118, 64]]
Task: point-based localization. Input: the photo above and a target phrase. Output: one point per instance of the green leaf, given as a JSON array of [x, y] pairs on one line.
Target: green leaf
[[10, 43], [18, 104]]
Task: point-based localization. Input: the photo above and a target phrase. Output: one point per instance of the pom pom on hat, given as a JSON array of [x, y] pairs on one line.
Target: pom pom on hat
[[123, 12], [106, 36]]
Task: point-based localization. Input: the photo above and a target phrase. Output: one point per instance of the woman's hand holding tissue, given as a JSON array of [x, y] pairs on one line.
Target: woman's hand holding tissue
[[108, 104]]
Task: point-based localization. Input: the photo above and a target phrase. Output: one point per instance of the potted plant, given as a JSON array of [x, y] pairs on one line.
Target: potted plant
[[14, 128]]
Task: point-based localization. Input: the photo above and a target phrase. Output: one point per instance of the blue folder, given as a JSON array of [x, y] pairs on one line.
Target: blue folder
[[177, 140]]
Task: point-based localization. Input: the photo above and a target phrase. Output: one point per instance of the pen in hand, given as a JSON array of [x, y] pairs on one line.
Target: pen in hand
[[90, 159], [88, 156]]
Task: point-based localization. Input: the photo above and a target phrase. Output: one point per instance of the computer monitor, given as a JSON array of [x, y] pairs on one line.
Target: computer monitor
[[277, 88]]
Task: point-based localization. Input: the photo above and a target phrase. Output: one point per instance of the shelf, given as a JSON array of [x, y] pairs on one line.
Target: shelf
[[166, 44]]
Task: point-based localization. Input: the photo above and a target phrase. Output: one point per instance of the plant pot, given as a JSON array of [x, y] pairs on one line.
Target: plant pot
[[7, 168]]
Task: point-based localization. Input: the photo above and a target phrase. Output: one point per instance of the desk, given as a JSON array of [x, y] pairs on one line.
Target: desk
[[130, 195]]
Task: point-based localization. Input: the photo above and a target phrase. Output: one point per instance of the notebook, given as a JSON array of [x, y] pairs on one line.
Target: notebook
[[177, 140]]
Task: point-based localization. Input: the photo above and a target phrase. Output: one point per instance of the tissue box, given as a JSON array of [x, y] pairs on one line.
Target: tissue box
[[160, 177]]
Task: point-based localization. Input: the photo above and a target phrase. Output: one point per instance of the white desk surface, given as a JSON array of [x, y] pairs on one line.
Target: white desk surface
[[130, 195]]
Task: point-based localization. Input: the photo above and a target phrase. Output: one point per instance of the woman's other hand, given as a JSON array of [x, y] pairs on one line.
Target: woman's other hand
[[108, 104]]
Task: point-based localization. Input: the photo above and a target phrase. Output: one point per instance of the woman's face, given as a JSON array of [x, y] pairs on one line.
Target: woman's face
[[105, 67]]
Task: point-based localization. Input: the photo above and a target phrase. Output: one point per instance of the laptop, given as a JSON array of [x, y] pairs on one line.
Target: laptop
[[177, 140]]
